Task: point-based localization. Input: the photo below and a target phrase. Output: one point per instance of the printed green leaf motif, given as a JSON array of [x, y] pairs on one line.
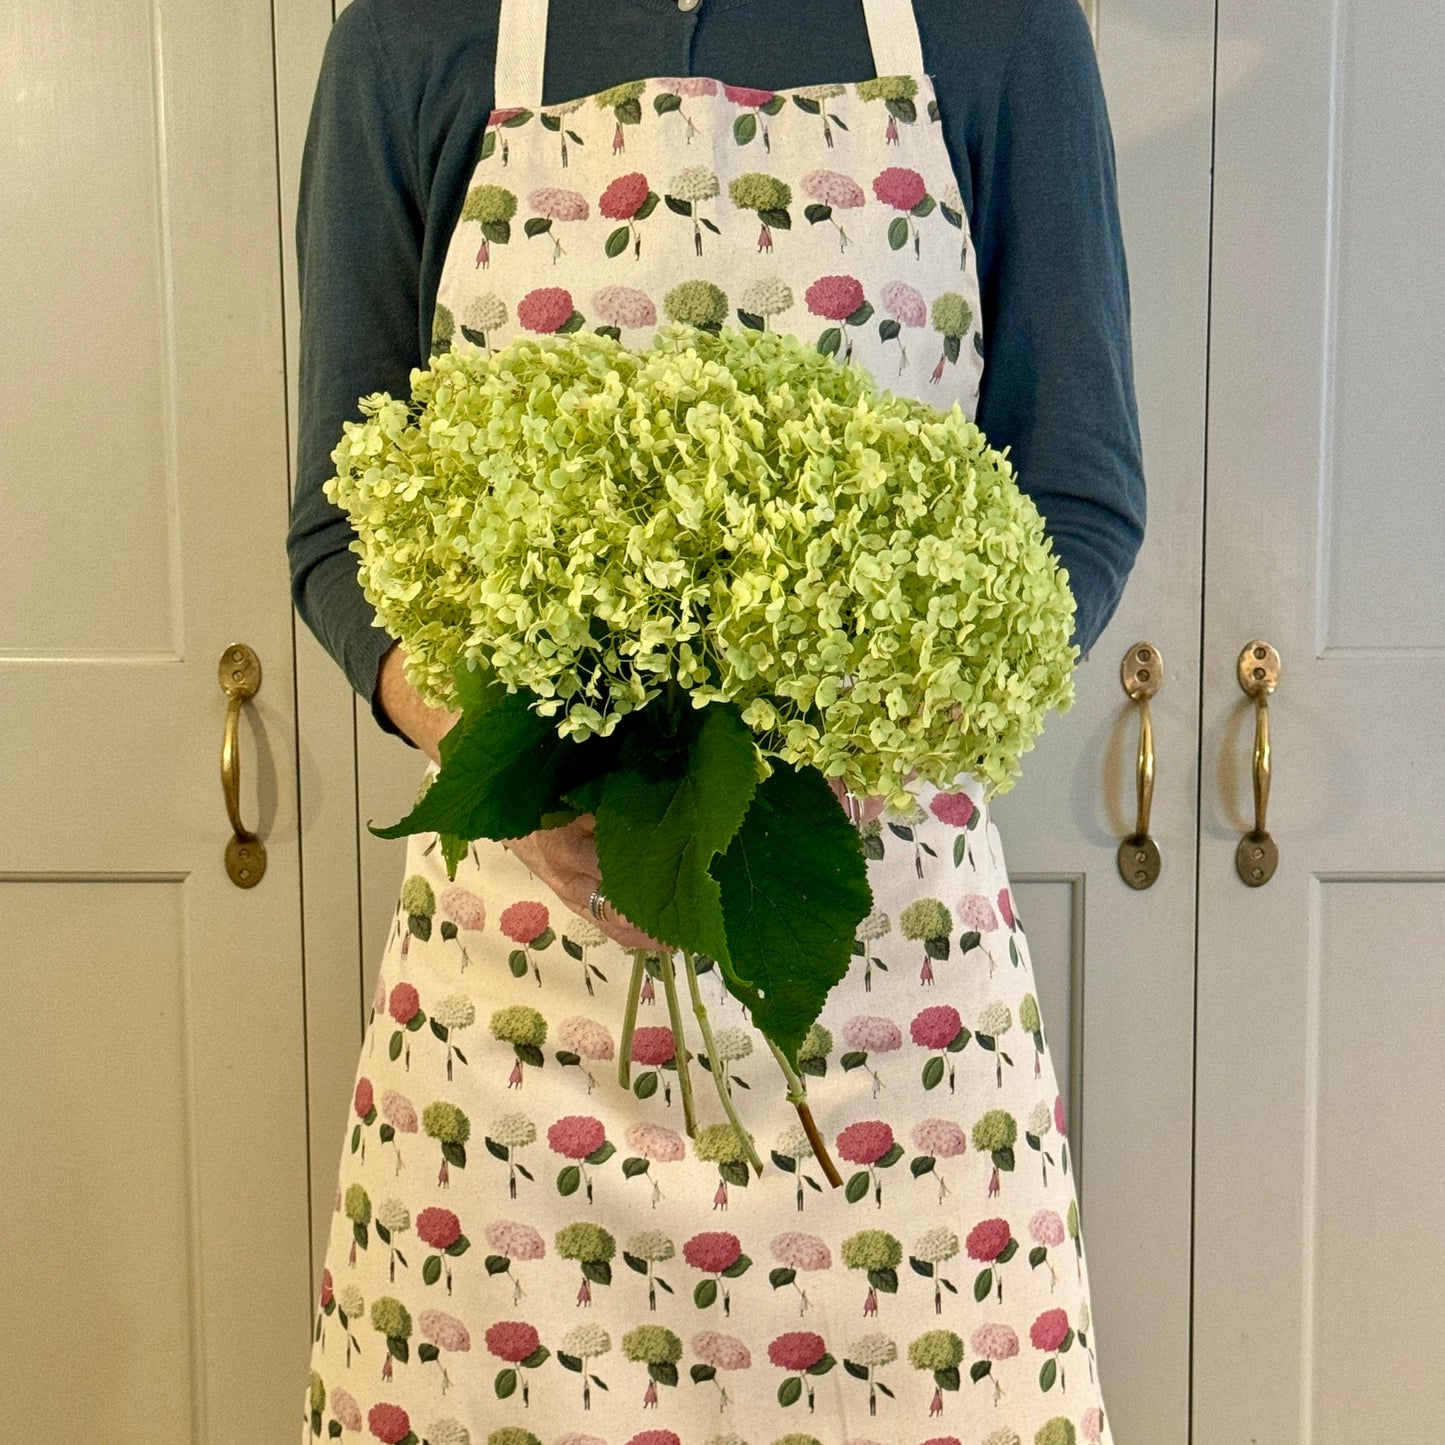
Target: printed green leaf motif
[[898, 233], [791, 911], [745, 127]]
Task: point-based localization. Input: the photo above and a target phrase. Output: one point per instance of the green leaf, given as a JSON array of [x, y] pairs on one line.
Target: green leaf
[[499, 767], [790, 1391], [745, 127], [898, 233], [933, 1073], [791, 911], [568, 1179], [617, 243], [662, 820], [856, 1187], [705, 1293], [506, 1383]]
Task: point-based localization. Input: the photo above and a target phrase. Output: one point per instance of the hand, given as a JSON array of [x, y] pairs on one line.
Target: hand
[[565, 859], [872, 807], [423, 724]]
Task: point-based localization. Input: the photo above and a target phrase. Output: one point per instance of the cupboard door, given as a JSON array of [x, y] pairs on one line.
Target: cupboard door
[[1321, 1001], [155, 1271]]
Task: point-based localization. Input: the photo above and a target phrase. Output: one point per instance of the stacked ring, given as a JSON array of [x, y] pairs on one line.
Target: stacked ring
[[596, 903]]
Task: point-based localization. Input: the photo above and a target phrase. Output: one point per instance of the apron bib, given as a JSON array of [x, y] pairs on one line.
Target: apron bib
[[523, 1251]]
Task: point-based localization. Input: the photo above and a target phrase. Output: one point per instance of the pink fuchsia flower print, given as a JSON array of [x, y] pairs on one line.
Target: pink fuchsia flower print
[[511, 1241], [936, 1139], [839, 299], [389, 1423], [1051, 1333], [831, 191], [651, 1143], [905, 307], [583, 1139], [719, 1352], [551, 204], [992, 1243], [628, 198], [867, 1034], [805, 1355], [624, 307], [757, 106], [939, 1028], [719, 1254], [516, 1343], [673, 90], [548, 310], [993, 1342], [869, 1142], [904, 190], [769, 196], [798, 1253]]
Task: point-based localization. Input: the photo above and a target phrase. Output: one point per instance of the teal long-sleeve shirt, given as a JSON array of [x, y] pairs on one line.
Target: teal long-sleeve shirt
[[401, 103]]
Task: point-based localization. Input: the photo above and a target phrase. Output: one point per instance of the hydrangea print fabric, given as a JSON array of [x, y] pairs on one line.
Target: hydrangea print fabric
[[524, 1251]]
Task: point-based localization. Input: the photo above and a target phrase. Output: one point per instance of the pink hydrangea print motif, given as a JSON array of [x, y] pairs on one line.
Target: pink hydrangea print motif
[[991, 1242], [838, 299], [389, 1423], [582, 1139], [673, 93], [528, 923], [905, 307], [993, 1342], [510, 1242], [831, 191], [499, 121], [798, 1253], [757, 106], [904, 190], [440, 1230], [719, 1352], [869, 1142], [628, 198], [623, 308], [719, 1254], [1051, 1333], [549, 205], [654, 1047], [805, 1355], [936, 1139], [448, 1334], [941, 1029], [651, 1143], [867, 1034], [548, 310], [517, 1344], [464, 912], [584, 1038]]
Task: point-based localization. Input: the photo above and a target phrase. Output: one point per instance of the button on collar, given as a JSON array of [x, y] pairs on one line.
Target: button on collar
[[688, 4]]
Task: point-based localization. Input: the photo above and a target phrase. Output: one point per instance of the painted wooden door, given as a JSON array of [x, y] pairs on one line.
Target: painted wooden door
[[1321, 998], [153, 1150]]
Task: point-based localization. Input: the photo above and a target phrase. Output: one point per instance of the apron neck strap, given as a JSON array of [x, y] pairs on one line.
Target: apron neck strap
[[522, 42]]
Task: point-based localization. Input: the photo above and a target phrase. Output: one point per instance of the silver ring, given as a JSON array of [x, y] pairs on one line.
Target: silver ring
[[596, 903]]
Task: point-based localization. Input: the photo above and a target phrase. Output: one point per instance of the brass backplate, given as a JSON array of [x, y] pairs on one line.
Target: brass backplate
[[1256, 858], [239, 671], [1139, 861], [245, 861]]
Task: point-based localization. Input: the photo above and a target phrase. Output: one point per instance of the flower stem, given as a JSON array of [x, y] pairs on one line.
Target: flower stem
[[724, 1093], [629, 1019], [798, 1097], [674, 1017]]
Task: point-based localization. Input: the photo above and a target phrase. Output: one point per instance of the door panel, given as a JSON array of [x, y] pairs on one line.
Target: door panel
[[1320, 994], [154, 1069]]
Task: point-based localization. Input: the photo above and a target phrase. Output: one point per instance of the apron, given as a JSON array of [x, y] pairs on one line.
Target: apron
[[523, 1250]]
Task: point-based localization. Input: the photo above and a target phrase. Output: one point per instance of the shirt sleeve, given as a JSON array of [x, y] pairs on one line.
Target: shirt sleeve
[[1058, 383], [359, 227]]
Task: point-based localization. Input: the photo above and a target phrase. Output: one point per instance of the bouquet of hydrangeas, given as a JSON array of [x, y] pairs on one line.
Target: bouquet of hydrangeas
[[681, 589]]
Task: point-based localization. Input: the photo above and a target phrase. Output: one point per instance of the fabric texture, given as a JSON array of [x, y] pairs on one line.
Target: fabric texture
[[527, 1250], [400, 111]]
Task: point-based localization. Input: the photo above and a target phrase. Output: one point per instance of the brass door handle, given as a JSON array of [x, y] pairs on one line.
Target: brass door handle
[[1257, 857], [240, 675], [1142, 672]]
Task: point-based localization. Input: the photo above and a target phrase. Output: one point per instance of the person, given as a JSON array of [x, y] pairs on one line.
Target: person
[[926, 189]]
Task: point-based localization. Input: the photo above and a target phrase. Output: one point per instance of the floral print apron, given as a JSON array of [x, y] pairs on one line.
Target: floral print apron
[[523, 1250]]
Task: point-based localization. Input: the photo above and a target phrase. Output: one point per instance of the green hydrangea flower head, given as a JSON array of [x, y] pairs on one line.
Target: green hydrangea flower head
[[997, 1129], [652, 1345], [1071, 1219], [952, 315], [1029, 1019], [358, 1204], [489, 203], [758, 191], [719, 1144], [796, 1439], [925, 918], [417, 896], [391, 1318], [519, 1024], [872, 1249], [1058, 1431], [888, 87], [443, 327], [512, 1435], [616, 94], [817, 1043], [446, 1123], [318, 1393], [696, 303], [585, 1242], [936, 1350]]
